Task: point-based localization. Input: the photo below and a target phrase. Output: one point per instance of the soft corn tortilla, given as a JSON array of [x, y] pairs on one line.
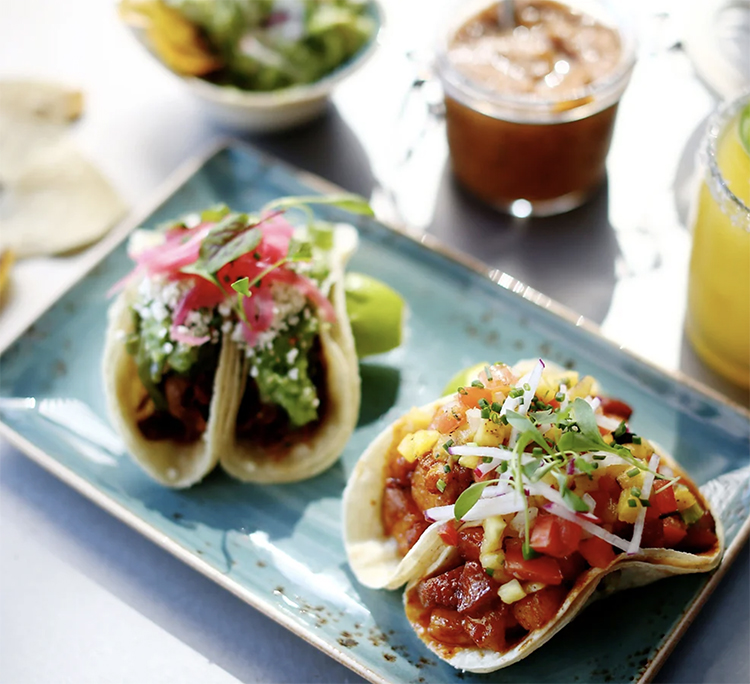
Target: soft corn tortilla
[[373, 555], [625, 572], [174, 464], [300, 457]]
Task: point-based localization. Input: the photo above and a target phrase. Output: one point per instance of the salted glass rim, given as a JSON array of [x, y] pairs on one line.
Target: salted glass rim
[[717, 125]]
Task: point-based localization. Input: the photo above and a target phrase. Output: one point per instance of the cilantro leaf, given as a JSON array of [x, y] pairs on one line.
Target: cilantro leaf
[[468, 498], [215, 213], [578, 442], [584, 466], [584, 416], [228, 240], [299, 250], [571, 498], [530, 468], [527, 430], [575, 501], [547, 416], [242, 287]]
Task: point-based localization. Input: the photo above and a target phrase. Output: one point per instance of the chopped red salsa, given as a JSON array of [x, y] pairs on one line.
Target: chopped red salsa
[[536, 481]]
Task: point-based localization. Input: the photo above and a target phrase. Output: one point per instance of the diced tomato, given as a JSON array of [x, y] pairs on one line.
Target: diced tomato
[[653, 534], [597, 552], [537, 609], [555, 536], [572, 566], [663, 499], [674, 530], [606, 498], [615, 407], [544, 569], [448, 533], [449, 417], [470, 396]]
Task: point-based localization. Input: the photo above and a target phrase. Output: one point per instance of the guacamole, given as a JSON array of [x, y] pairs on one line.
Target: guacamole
[[155, 353], [282, 369]]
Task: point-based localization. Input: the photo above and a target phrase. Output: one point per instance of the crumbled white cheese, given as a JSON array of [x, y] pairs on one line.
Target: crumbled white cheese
[[157, 300], [288, 303]]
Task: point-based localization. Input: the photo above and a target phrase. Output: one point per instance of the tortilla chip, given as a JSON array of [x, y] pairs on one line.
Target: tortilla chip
[[53, 199], [7, 257], [58, 202]]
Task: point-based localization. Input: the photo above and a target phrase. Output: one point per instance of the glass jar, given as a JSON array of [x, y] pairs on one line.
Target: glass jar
[[718, 311], [541, 151]]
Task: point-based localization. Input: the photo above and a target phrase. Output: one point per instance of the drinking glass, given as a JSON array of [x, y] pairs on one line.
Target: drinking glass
[[718, 311]]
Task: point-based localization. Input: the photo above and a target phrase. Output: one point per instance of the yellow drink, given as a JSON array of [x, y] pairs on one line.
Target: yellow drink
[[718, 316]]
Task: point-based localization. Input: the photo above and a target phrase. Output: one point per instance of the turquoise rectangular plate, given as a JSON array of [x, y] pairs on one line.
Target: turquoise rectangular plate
[[279, 547]]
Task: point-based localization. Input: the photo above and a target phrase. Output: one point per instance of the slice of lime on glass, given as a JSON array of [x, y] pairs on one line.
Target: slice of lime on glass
[[376, 313], [463, 378]]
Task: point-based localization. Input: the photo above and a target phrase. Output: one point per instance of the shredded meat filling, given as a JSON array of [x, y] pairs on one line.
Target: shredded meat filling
[[268, 424], [185, 418]]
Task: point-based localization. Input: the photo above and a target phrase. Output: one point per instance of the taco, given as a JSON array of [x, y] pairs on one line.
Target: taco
[[223, 307], [510, 505], [294, 387]]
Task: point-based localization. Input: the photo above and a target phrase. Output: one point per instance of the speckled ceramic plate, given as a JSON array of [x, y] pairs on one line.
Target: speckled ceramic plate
[[279, 547]]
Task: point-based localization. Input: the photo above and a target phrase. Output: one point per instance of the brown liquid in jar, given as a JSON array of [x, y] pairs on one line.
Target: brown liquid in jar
[[548, 61]]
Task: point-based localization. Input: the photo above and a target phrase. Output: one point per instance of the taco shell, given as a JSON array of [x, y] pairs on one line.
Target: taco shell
[[375, 561], [170, 462], [312, 452]]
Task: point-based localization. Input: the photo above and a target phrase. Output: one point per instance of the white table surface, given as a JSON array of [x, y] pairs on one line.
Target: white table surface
[[83, 598]]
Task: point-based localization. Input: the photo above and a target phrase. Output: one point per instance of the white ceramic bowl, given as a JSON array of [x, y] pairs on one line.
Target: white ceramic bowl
[[276, 110]]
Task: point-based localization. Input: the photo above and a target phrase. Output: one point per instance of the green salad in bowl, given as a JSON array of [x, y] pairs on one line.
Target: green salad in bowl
[[262, 64]]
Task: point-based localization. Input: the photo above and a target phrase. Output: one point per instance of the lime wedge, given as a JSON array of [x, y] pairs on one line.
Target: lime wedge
[[744, 128], [463, 378], [376, 314]]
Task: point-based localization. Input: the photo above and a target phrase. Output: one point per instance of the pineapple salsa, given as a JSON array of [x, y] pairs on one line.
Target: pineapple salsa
[[534, 480]]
